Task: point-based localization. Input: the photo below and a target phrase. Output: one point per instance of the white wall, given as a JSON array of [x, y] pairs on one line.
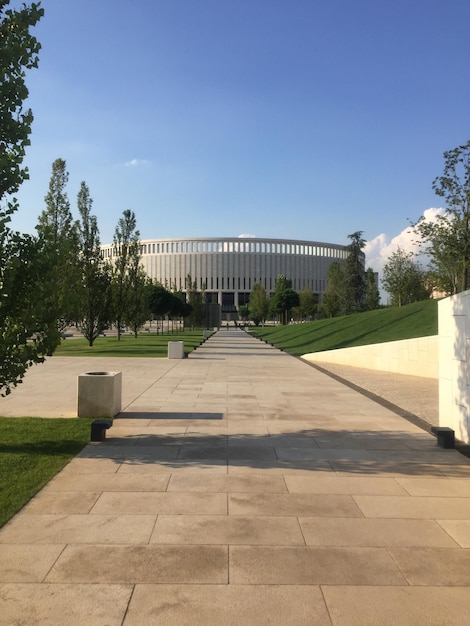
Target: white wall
[[454, 364], [415, 357]]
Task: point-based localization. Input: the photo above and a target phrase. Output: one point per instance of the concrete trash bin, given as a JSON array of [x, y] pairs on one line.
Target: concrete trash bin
[[176, 349], [99, 394]]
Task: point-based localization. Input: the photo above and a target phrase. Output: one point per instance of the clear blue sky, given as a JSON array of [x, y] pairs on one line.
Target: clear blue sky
[[300, 119]]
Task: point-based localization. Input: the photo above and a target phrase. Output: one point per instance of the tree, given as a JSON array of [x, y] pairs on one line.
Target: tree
[[126, 248], [243, 312], [355, 274], [159, 301], [28, 328], [372, 297], [196, 299], [333, 301], [27, 332], [308, 304], [258, 304], [284, 298], [137, 311], [447, 240], [179, 307], [346, 288], [403, 279], [59, 234], [93, 288], [18, 52], [442, 243]]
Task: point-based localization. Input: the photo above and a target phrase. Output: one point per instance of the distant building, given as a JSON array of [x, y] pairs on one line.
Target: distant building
[[227, 268]]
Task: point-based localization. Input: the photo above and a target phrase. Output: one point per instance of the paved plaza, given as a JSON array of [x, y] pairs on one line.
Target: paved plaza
[[239, 486]]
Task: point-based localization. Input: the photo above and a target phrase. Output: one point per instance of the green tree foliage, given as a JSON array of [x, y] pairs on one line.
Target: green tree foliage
[[159, 301], [126, 249], [404, 279], [59, 234], [163, 303], [18, 52], [355, 286], [258, 304], [27, 329], [447, 240], [284, 299], [346, 288], [372, 291], [137, 311], [93, 288], [196, 299], [179, 308], [308, 305], [244, 312], [334, 296], [446, 264]]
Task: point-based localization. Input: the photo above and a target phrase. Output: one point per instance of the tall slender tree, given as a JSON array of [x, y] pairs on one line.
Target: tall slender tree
[[137, 311], [93, 294], [126, 246], [59, 235], [355, 284]]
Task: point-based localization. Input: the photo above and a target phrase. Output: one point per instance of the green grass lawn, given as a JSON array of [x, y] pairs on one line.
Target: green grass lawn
[[389, 324], [32, 451], [146, 344]]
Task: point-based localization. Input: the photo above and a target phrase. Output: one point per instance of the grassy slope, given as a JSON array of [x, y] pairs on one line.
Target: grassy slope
[[389, 324]]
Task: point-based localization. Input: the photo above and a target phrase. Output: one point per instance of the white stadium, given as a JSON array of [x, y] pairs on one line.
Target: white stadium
[[227, 268]]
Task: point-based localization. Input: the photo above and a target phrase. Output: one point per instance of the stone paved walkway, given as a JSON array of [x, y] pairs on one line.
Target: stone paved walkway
[[240, 486], [413, 394]]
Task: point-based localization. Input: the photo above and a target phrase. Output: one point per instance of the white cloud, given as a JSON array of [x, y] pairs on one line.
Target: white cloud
[[136, 163], [246, 236], [379, 249]]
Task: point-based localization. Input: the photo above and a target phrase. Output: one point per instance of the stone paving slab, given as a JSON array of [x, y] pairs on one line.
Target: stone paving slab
[[227, 530], [324, 505], [276, 565], [434, 566], [65, 529], [140, 564], [351, 485], [228, 484], [375, 533], [397, 606], [113, 503], [231, 605], [412, 507], [43, 604], [459, 530], [243, 485]]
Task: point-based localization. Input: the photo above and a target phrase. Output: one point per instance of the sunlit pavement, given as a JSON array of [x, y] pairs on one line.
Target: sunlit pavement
[[241, 486]]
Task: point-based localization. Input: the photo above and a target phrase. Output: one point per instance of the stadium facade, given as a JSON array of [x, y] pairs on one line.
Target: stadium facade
[[226, 268]]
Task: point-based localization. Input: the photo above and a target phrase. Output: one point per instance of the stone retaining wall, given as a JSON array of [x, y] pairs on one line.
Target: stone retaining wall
[[415, 357], [454, 372]]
